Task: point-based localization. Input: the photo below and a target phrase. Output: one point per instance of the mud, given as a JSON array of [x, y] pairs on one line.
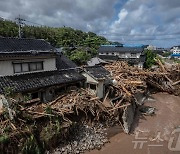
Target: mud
[[154, 132]]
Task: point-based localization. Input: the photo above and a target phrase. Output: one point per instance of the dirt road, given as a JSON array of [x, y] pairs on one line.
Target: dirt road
[[155, 131]]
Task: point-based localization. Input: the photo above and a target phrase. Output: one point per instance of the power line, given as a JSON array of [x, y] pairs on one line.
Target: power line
[[20, 23], [16, 19], [34, 23]]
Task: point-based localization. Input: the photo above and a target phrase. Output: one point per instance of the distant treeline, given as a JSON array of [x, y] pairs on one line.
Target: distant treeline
[[79, 46]]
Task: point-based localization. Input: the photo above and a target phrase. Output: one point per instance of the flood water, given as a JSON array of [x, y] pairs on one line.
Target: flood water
[[153, 132]]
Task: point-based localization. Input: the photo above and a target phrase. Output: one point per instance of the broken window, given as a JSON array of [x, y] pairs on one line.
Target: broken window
[[34, 95], [92, 86]]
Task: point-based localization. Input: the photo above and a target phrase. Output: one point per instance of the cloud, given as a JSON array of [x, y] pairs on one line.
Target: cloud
[[147, 22], [151, 18], [80, 14]]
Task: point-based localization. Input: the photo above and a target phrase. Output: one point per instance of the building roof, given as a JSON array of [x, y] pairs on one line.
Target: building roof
[[97, 72], [177, 46], [110, 49], [134, 45], [62, 62], [35, 81], [96, 61], [109, 57], [23, 45], [142, 58], [175, 55]]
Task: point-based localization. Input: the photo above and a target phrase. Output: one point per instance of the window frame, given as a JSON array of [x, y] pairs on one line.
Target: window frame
[[29, 63], [92, 86]]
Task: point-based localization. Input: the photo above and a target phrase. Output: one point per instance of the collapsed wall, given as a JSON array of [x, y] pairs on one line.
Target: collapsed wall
[[128, 117]]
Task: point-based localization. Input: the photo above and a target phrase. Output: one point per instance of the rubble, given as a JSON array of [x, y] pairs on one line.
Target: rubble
[[84, 138], [132, 80], [147, 110], [118, 107]]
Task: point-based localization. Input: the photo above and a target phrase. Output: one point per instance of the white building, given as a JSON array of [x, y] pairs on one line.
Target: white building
[[175, 52], [133, 55]]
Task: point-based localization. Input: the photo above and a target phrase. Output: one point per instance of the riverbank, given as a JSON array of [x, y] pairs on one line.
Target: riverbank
[[154, 131]]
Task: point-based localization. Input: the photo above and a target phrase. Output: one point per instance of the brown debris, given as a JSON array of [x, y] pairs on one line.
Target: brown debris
[[129, 81]]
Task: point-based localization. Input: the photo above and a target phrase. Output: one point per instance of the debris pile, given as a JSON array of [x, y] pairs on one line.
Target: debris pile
[[117, 107], [76, 102], [56, 118], [83, 138], [132, 80]]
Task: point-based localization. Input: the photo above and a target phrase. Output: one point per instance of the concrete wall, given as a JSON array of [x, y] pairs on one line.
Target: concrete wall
[[100, 89], [128, 117], [6, 67]]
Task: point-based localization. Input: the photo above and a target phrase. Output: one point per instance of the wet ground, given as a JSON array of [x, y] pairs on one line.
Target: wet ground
[[156, 134]]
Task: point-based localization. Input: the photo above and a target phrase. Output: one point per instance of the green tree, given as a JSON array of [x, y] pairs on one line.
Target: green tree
[[66, 37], [79, 56], [150, 58]]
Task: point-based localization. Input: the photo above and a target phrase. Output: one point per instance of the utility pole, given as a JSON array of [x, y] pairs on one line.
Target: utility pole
[[20, 23]]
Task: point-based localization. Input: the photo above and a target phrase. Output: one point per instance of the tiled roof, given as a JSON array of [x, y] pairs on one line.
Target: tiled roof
[[97, 72], [62, 62], [109, 49], [96, 61], [108, 57], [32, 81], [20, 45]]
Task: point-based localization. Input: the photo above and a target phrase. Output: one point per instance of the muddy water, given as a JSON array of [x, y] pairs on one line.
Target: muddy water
[[152, 132]]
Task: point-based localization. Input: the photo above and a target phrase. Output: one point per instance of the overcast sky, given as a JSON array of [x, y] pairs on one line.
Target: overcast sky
[[155, 22]]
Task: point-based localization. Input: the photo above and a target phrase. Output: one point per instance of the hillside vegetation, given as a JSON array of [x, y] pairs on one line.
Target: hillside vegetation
[[79, 46]]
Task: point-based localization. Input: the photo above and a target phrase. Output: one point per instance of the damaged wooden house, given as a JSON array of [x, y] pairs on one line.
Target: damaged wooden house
[[34, 67], [97, 79]]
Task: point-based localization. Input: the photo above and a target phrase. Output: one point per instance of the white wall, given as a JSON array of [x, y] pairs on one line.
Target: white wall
[[176, 50], [128, 55], [6, 67], [49, 64], [89, 79], [99, 85]]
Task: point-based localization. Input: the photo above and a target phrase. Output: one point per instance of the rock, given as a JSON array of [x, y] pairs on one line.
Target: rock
[[84, 138], [147, 110]]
